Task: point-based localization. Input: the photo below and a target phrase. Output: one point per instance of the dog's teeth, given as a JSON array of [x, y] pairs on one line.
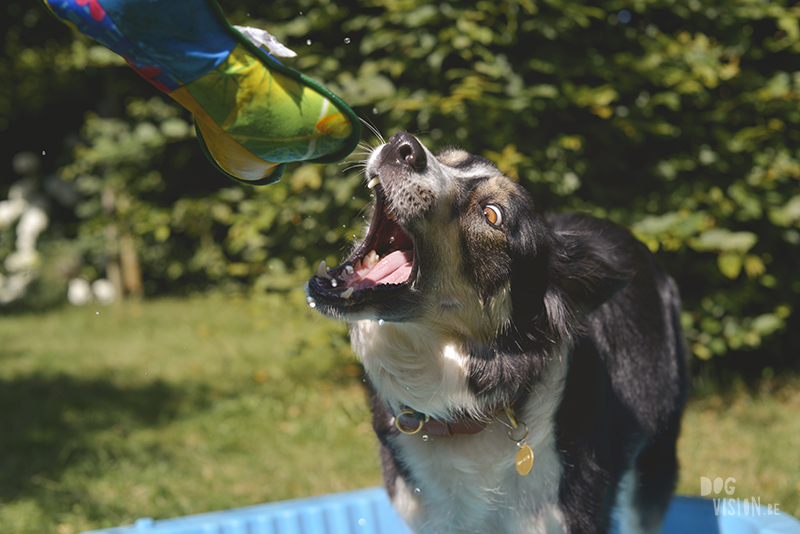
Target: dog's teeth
[[347, 293], [372, 183], [322, 272], [371, 259]]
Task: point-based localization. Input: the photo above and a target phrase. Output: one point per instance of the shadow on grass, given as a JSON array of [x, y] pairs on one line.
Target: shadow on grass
[[49, 423]]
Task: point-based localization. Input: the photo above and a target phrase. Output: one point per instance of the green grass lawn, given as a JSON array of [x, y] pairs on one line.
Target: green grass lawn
[[179, 406]]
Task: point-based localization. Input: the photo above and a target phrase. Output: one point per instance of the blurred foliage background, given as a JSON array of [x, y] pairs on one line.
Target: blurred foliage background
[[679, 119]]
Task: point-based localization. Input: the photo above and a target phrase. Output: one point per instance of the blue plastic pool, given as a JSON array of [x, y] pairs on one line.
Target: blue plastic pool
[[368, 511]]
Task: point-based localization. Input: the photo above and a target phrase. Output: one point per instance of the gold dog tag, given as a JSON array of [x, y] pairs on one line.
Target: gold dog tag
[[524, 460]]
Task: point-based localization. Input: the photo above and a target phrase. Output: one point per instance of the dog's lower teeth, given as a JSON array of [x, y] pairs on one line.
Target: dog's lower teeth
[[372, 183], [347, 293]]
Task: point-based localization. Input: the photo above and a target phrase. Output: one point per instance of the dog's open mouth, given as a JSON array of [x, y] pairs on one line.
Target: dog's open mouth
[[382, 265]]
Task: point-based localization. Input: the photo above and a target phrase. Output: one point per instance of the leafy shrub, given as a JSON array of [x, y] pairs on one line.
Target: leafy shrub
[[676, 118]]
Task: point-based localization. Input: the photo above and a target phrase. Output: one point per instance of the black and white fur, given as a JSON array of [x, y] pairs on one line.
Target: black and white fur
[[567, 319]]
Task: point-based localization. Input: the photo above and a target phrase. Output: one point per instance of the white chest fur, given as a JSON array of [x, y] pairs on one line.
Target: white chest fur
[[464, 483], [415, 365], [469, 484]]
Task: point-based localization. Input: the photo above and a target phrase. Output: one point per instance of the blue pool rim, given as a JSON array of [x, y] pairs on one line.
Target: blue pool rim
[[367, 511]]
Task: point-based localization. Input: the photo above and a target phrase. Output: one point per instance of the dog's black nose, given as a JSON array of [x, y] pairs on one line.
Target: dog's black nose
[[404, 149]]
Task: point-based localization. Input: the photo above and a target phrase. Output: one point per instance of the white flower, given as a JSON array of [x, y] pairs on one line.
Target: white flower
[[79, 293]]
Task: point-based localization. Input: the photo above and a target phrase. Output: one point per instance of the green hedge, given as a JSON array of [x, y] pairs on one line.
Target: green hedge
[[678, 119]]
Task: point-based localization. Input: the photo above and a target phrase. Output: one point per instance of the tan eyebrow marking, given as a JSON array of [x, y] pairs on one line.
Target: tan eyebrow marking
[[454, 157]]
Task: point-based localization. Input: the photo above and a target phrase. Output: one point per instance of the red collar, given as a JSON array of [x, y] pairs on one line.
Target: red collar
[[411, 422]]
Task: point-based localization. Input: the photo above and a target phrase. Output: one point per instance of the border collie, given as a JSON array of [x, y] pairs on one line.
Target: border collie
[[493, 337]]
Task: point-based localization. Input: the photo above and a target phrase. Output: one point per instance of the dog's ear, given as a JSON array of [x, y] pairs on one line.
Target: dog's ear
[[529, 246], [566, 271], [589, 271]]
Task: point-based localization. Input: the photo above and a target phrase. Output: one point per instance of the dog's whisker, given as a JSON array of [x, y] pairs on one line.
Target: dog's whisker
[[353, 163], [352, 167], [373, 129]]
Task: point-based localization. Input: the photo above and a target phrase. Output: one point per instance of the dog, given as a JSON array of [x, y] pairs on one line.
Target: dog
[[489, 332]]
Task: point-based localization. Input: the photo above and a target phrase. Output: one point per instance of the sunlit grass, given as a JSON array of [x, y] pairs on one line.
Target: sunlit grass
[[173, 407], [752, 436]]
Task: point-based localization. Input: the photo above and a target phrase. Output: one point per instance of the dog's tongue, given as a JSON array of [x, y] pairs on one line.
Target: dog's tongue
[[391, 269]]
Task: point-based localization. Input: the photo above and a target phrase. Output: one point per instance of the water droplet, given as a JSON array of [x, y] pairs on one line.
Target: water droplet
[[43, 153], [362, 522], [391, 239], [97, 313], [425, 437], [349, 268], [312, 304], [308, 41], [417, 491], [334, 283], [380, 322], [346, 40], [374, 111]]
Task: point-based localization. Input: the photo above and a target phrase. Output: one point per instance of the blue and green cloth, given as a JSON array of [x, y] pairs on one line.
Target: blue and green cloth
[[253, 115]]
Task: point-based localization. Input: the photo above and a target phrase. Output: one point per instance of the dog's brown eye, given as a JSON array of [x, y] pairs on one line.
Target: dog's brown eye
[[493, 214]]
